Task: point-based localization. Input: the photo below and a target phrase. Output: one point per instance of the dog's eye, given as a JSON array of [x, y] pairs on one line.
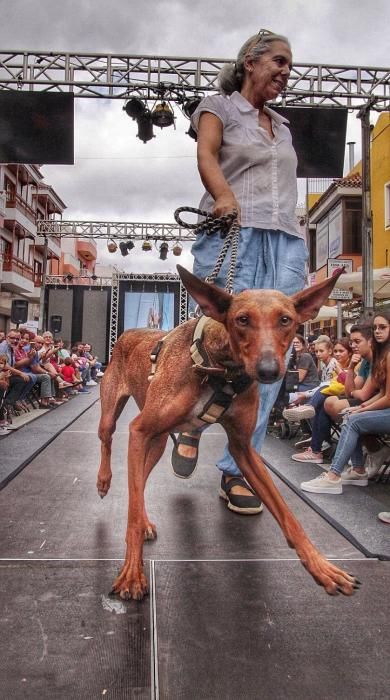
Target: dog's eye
[[243, 320], [285, 320]]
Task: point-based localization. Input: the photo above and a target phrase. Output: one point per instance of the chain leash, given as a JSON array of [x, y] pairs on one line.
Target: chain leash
[[229, 229]]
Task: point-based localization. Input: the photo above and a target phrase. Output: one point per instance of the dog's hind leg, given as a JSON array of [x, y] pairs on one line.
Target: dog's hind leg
[[113, 400]]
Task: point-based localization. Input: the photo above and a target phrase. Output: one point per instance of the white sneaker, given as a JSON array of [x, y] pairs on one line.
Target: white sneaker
[[99, 373], [308, 456], [91, 383], [323, 484], [384, 517], [4, 431], [350, 477], [297, 413]]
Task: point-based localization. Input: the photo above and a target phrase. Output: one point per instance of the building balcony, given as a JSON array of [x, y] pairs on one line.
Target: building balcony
[[17, 276], [70, 265], [86, 249], [53, 246], [16, 219]]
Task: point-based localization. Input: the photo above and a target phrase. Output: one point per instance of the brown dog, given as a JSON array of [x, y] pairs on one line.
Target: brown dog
[[250, 332]]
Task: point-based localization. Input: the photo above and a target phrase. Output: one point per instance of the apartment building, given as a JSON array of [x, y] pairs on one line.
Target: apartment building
[[25, 199]]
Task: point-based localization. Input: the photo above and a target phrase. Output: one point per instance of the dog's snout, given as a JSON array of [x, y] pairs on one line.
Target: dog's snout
[[268, 369]]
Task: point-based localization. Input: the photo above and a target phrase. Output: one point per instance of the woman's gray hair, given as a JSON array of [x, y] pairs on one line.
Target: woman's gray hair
[[231, 76]]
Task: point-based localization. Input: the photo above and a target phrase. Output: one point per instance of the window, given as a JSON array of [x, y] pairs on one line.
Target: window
[[352, 225]]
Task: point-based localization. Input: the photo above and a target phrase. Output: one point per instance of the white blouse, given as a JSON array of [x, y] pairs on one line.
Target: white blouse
[[260, 170]]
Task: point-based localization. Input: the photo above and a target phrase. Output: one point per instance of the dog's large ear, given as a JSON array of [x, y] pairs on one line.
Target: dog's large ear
[[308, 302], [213, 301]]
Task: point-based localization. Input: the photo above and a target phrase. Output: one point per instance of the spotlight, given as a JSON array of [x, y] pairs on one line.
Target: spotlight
[[135, 108], [177, 248], [163, 250], [94, 277], [162, 115], [112, 246], [146, 245], [125, 247], [69, 277], [190, 105], [145, 126]]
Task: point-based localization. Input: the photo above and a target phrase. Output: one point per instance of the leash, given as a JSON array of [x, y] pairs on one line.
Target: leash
[[229, 229]]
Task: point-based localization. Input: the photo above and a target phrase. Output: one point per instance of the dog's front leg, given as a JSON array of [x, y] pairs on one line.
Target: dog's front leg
[[132, 582], [333, 579]]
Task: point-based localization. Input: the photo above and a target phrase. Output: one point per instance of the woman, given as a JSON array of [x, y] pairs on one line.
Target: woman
[[372, 416], [305, 365], [321, 422], [247, 164]]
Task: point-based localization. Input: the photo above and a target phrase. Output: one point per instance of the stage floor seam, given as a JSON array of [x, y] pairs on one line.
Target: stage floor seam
[[162, 561]]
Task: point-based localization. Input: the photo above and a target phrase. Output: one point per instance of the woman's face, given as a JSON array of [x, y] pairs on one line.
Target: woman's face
[[341, 354], [323, 352], [269, 75], [297, 345], [381, 329], [47, 338]]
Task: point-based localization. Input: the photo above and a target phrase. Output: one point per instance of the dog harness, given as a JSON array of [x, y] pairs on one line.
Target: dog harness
[[226, 382]]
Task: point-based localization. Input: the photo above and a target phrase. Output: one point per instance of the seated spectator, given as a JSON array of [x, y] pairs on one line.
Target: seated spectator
[[328, 367], [5, 375], [94, 365], [63, 350], [81, 365], [68, 372], [371, 417], [18, 380], [321, 423], [28, 362], [49, 361], [304, 364]]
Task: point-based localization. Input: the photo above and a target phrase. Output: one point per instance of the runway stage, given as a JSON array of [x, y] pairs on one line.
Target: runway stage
[[231, 613]]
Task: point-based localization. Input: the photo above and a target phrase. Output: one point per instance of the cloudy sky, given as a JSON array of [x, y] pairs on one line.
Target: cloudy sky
[[116, 177]]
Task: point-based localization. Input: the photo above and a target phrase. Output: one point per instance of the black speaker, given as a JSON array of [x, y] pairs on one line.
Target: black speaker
[[19, 311], [55, 324]]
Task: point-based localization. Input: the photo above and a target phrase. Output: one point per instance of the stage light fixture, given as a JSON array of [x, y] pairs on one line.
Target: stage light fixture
[[112, 246], [163, 250], [145, 126], [69, 277], [135, 108], [94, 277], [162, 115], [123, 248], [146, 245], [177, 248], [190, 105]]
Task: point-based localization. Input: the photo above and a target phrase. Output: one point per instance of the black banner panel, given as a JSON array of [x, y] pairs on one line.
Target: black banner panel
[[318, 135], [36, 127]]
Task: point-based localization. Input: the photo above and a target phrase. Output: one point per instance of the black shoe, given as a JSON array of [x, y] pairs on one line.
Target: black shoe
[[184, 467], [246, 505]]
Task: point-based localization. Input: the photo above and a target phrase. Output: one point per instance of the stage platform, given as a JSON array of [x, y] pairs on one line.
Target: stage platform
[[231, 612]]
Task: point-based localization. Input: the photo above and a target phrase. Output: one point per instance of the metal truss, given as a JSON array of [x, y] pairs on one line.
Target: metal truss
[[119, 76], [114, 312], [113, 229]]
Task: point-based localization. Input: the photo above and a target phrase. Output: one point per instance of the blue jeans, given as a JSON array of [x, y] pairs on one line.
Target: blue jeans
[[349, 445], [266, 260], [321, 423]]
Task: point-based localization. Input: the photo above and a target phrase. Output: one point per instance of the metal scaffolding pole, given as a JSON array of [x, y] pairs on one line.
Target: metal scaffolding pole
[[367, 271]]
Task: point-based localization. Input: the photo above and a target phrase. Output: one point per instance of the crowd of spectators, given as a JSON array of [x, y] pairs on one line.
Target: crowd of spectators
[[41, 372], [347, 409]]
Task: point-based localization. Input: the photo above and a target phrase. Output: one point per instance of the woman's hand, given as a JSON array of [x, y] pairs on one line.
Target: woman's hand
[[226, 203]]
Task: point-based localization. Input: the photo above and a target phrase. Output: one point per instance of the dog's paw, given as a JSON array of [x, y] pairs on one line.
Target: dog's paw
[[103, 484], [130, 587], [333, 579]]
